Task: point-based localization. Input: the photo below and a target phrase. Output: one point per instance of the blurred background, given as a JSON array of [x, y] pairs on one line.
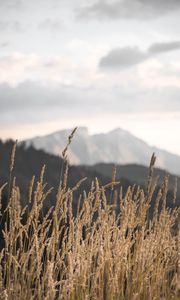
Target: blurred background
[[99, 64]]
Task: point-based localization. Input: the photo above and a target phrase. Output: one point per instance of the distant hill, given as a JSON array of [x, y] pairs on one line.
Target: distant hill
[[29, 161], [135, 173], [117, 146]]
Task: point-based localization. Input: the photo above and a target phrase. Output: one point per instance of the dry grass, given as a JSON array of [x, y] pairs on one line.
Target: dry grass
[[97, 254]]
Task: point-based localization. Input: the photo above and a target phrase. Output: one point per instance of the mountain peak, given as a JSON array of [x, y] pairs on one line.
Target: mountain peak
[[83, 130], [119, 131], [117, 146]]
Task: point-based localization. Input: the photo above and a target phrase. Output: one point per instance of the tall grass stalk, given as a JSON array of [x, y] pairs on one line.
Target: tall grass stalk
[[95, 253]]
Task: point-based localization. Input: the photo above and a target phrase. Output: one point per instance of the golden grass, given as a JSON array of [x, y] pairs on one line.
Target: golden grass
[[95, 254]]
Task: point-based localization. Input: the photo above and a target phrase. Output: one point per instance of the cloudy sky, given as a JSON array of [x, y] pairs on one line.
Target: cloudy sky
[[99, 63]]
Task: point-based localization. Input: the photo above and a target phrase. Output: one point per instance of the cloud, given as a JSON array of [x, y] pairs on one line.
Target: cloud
[[32, 102], [50, 24], [18, 67], [29, 107], [11, 4], [4, 44], [121, 58], [158, 48], [135, 9], [15, 66], [11, 26], [60, 69]]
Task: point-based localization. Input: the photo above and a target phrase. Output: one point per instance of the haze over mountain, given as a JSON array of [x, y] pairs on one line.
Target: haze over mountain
[[117, 146]]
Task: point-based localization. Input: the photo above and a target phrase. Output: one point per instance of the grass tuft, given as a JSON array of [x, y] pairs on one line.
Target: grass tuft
[[98, 252]]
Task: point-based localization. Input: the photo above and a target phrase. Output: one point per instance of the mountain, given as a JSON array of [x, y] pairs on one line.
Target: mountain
[[137, 174], [117, 146], [29, 162]]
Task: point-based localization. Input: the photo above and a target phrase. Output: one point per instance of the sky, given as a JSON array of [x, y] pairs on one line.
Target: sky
[[98, 63]]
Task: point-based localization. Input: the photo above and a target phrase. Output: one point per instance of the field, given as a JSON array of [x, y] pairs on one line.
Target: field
[[109, 249]]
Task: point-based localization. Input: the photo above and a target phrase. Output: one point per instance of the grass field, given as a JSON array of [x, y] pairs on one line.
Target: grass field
[[98, 252]]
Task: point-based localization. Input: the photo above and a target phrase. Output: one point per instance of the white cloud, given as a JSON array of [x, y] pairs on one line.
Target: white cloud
[[17, 67], [13, 67]]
